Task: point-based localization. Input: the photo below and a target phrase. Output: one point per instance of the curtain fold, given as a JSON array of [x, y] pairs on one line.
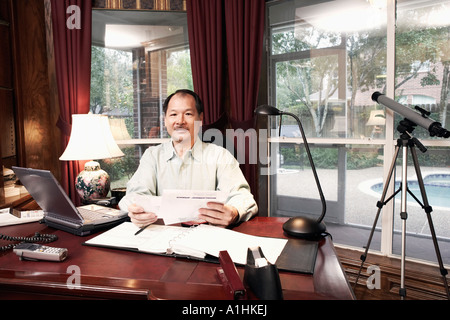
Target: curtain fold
[[72, 43], [234, 28], [205, 28], [244, 20]]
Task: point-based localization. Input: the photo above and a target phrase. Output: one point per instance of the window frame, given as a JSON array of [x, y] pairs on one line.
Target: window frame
[[158, 46], [388, 143]]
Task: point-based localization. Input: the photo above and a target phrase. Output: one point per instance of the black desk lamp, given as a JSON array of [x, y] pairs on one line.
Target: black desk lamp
[[300, 227]]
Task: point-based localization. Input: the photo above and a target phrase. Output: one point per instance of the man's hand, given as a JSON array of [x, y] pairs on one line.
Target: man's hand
[[139, 217], [219, 214]]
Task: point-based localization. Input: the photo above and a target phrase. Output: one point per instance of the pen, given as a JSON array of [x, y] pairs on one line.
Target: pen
[[142, 229]]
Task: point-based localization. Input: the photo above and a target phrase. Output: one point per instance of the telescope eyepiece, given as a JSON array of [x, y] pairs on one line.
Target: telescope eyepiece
[[375, 96]]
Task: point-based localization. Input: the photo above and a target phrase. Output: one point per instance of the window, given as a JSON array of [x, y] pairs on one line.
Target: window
[[422, 34], [138, 59], [324, 62]]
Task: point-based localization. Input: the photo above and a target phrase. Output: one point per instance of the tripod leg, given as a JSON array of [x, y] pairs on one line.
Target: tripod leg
[[428, 211], [403, 216], [380, 205]]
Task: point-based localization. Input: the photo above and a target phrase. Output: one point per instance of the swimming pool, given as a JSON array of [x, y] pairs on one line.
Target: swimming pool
[[437, 187]]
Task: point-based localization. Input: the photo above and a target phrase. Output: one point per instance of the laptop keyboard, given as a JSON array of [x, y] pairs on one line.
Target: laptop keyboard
[[92, 215]]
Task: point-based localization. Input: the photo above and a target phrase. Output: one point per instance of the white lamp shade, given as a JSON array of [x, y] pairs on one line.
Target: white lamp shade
[[119, 129], [376, 118], [90, 139]]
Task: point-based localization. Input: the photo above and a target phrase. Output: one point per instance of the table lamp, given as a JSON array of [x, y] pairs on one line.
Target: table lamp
[[377, 120], [300, 227], [91, 139]]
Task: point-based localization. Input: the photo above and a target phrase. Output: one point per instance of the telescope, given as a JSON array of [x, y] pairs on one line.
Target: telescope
[[434, 128]]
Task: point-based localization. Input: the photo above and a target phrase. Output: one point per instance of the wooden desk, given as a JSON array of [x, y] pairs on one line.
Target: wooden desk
[[117, 274]]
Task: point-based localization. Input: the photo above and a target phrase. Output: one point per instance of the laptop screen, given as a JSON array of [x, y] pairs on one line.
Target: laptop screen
[[48, 193]]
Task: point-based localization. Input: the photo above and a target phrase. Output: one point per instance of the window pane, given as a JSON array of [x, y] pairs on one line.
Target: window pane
[[325, 61], [325, 76], [295, 177], [422, 73], [138, 59]]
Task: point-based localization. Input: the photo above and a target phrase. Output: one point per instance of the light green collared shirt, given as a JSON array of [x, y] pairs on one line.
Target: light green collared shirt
[[204, 167]]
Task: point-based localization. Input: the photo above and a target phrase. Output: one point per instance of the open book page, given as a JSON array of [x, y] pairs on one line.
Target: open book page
[[194, 242], [158, 239], [154, 239], [212, 240], [119, 236]]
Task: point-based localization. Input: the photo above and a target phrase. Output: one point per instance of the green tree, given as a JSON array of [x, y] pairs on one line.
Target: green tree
[[308, 82], [419, 47], [111, 80], [179, 73]]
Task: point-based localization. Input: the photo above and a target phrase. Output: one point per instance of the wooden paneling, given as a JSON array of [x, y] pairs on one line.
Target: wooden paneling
[[178, 5], [38, 137], [422, 282], [7, 127], [6, 84], [4, 11], [53, 87], [5, 55]]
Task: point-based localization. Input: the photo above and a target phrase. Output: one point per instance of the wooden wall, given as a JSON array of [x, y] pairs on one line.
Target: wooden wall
[[178, 5], [37, 138], [6, 91], [422, 281]]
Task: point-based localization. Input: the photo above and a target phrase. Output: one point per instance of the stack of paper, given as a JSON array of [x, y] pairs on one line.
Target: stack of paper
[[7, 218]]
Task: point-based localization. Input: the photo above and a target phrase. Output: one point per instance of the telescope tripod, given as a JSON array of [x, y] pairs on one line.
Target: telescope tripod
[[405, 142]]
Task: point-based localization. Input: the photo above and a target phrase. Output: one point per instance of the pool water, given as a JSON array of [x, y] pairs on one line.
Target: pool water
[[437, 188]]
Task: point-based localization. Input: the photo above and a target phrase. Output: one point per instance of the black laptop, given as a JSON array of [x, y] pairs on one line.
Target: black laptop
[[59, 211]]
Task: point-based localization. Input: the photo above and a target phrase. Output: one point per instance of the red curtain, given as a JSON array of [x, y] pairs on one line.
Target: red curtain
[[205, 28], [72, 43], [244, 20], [241, 23]]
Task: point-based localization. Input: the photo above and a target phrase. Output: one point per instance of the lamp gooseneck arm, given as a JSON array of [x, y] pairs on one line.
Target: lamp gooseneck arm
[[308, 152]]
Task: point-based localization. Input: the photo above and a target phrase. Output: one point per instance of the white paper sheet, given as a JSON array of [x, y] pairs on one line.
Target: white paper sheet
[[176, 206], [149, 203], [7, 219], [212, 240], [182, 205]]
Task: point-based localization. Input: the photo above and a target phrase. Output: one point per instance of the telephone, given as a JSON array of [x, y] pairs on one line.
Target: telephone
[[28, 249], [34, 251]]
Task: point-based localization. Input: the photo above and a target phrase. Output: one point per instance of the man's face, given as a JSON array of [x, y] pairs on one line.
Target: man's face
[[180, 119]]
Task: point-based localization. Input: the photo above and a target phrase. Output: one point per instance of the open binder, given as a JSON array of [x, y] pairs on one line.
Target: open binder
[[204, 242]]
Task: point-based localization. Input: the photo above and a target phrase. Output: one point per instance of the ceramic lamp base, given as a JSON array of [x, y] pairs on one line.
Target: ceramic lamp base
[[92, 183]]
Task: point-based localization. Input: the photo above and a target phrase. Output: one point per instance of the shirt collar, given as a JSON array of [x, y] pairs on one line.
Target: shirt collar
[[169, 151], [195, 151]]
